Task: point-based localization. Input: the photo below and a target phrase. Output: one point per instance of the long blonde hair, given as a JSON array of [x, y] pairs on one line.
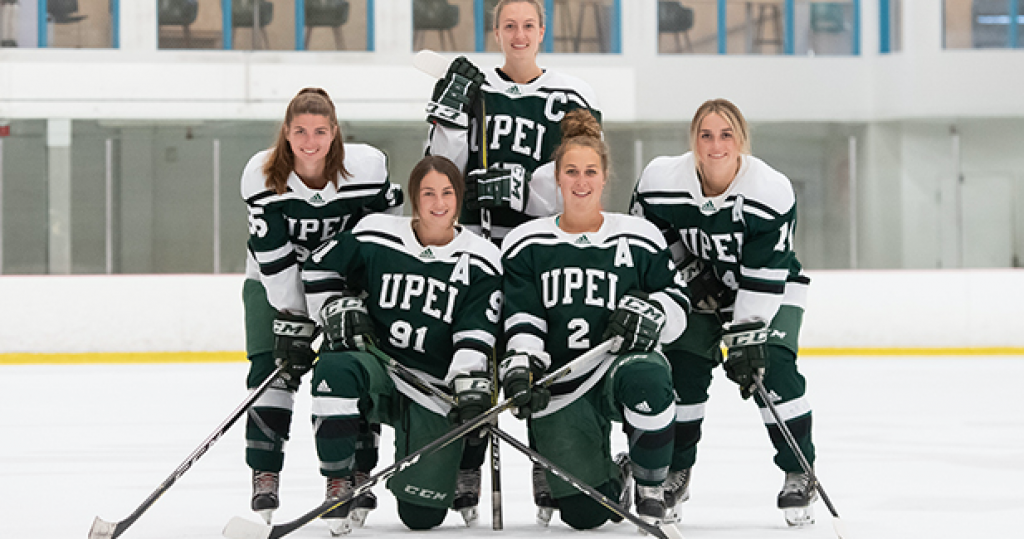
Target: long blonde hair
[[282, 159]]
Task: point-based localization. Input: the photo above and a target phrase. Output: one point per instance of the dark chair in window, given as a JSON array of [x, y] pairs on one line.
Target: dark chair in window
[[675, 18], [179, 13], [436, 15], [242, 17], [65, 12], [327, 13]]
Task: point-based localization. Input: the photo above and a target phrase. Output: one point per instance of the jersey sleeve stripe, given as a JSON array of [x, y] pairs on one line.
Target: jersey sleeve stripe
[[259, 198], [474, 345], [475, 334], [541, 237], [526, 319], [765, 274], [279, 265], [763, 287], [525, 342], [672, 196], [273, 255]]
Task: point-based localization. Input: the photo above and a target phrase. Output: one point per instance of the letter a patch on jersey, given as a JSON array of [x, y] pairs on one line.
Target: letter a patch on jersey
[[460, 274], [623, 257]]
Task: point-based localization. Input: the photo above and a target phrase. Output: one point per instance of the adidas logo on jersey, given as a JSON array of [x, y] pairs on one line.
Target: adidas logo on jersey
[[708, 207], [582, 240], [323, 387], [317, 199], [643, 407], [428, 254], [513, 90]]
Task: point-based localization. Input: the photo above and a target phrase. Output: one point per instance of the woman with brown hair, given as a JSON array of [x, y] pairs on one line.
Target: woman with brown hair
[[301, 192]]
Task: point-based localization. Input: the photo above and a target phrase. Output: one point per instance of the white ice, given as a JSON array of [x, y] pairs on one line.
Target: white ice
[[907, 448]]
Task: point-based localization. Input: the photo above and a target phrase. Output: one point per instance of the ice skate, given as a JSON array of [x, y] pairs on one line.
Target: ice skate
[[650, 504], [797, 498], [337, 519], [677, 491], [467, 496], [363, 504], [546, 504], [265, 499]]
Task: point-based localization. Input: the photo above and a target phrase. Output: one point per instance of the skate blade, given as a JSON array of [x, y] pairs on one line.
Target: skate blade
[[101, 529], [544, 515], [470, 515], [266, 514], [338, 526], [799, 516], [358, 516]]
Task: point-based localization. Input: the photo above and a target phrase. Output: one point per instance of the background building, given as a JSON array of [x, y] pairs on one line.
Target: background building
[[126, 123]]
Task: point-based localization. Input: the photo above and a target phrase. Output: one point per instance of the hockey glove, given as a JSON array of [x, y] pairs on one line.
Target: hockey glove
[[455, 94], [293, 337], [707, 293], [502, 185], [636, 324], [518, 371], [472, 397], [347, 324], [747, 353]]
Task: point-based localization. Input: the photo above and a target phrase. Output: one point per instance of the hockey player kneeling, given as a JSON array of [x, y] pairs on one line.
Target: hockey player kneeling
[[572, 281], [432, 302]]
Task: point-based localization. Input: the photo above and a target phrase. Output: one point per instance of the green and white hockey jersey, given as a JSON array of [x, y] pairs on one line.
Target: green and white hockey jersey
[[561, 288], [523, 127], [284, 229], [435, 309], [746, 233]]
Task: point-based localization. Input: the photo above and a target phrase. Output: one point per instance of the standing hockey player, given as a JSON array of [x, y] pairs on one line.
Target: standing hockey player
[[300, 193], [524, 104], [730, 220], [433, 298], [572, 281], [511, 179]]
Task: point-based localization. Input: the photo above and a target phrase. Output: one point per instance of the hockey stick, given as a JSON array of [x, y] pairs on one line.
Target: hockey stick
[[837, 524], [436, 66], [101, 529], [663, 531], [240, 528]]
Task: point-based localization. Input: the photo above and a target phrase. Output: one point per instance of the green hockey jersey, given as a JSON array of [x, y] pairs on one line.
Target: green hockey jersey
[[523, 127], [284, 229], [746, 233], [435, 309], [561, 289]]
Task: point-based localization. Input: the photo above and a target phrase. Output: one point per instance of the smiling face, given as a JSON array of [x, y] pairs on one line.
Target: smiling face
[[310, 136], [519, 32], [437, 203], [581, 178], [718, 153]]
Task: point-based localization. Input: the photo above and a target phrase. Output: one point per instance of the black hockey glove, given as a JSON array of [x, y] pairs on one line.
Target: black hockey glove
[[472, 397], [636, 324], [707, 293], [518, 371], [293, 338], [747, 353], [347, 324], [454, 95], [502, 185]]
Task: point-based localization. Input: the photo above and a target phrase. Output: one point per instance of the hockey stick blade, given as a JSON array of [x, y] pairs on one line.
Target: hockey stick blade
[[101, 529], [431, 63], [240, 528]]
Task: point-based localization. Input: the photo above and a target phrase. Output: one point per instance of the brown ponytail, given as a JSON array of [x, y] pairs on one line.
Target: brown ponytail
[[282, 160]]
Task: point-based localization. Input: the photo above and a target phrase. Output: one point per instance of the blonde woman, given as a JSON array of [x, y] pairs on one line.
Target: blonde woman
[[572, 281], [730, 219]]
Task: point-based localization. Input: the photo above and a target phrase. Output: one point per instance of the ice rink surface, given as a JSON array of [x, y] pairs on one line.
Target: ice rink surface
[[907, 447]]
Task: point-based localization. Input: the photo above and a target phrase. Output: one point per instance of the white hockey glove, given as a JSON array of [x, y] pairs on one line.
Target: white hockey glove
[[454, 95], [347, 324], [518, 371], [636, 324], [293, 338], [502, 185], [747, 353]]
